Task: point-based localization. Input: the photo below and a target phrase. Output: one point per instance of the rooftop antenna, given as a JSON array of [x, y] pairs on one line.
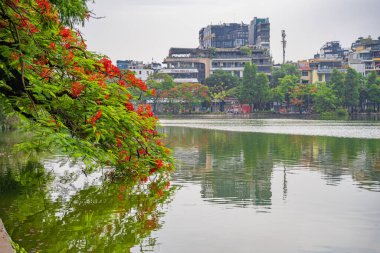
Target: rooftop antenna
[[283, 34]]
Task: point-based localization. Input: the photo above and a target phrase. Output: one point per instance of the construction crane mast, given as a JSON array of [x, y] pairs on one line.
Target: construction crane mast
[[283, 45]]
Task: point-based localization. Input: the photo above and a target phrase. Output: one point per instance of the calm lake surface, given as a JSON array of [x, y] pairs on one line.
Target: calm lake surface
[[238, 187]]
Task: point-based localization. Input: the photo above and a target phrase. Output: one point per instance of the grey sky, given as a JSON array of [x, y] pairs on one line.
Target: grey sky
[[146, 29]]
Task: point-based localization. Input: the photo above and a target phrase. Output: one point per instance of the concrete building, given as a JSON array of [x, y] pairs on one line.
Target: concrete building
[[321, 69], [306, 72], [332, 50], [331, 56], [227, 35], [141, 70], [222, 47], [365, 55], [259, 32], [232, 35], [195, 64]]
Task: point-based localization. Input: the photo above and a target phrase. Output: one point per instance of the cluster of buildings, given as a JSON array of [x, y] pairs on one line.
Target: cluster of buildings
[[226, 46], [363, 56], [229, 46]]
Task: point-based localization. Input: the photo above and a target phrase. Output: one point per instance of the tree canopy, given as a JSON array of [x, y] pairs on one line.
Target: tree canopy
[[73, 98], [221, 80]]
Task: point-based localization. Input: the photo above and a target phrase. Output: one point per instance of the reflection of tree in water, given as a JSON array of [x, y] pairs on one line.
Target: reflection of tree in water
[[113, 217], [237, 167], [233, 168]]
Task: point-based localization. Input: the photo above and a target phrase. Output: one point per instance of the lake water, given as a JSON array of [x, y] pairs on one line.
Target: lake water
[[238, 187]]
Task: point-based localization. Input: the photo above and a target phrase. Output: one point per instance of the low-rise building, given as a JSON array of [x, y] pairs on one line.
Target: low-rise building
[[365, 55], [141, 70]]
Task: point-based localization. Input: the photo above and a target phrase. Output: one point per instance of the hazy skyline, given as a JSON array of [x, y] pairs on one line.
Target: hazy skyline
[[146, 29]]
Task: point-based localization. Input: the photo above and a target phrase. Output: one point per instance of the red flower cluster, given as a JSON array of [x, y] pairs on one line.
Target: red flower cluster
[[134, 81], [65, 33], [27, 25], [95, 118], [109, 68], [159, 163], [145, 110], [44, 6], [129, 106], [52, 46], [77, 89], [124, 157]]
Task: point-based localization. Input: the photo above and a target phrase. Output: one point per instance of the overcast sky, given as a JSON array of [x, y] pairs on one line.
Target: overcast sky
[[146, 29]]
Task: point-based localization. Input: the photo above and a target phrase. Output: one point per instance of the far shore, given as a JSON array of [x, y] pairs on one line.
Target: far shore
[[271, 115]]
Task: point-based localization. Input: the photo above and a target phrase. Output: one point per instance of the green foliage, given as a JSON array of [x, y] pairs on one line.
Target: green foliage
[[351, 88], [340, 113], [337, 84], [246, 50], [160, 83], [186, 96], [221, 80], [262, 90], [247, 90], [72, 98], [373, 88], [284, 70], [324, 99]]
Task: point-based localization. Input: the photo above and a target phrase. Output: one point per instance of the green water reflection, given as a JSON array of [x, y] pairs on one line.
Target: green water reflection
[[237, 168], [45, 212]]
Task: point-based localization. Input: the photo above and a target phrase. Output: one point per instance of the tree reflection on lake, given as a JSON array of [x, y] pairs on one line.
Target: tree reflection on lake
[[236, 168], [47, 210]]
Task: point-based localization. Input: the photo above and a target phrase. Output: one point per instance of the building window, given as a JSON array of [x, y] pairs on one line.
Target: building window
[[305, 73], [320, 79]]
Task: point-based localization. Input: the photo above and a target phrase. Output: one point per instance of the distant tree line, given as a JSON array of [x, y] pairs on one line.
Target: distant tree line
[[345, 92]]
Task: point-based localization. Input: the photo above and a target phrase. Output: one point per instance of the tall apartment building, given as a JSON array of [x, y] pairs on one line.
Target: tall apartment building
[[232, 35], [222, 47], [228, 35], [259, 32]]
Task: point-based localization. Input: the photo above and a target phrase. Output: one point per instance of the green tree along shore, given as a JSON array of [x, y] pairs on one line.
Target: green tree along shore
[[282, 91], [72, 98]]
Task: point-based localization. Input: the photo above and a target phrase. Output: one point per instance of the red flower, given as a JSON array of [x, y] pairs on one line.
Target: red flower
[[119, 143], [43, 5], [96, 117], [109, 68], [129, 106], [52, 45], [77, 89], [159, 163], [65, 33]]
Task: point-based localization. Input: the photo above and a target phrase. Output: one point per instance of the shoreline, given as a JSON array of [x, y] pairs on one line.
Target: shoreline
[[270, 115]]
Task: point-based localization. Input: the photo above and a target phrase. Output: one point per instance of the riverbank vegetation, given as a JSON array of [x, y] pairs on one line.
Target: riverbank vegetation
[[345, 93]]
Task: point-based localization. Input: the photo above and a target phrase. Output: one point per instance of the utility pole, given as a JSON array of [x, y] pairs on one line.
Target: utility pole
[[283, 45]]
